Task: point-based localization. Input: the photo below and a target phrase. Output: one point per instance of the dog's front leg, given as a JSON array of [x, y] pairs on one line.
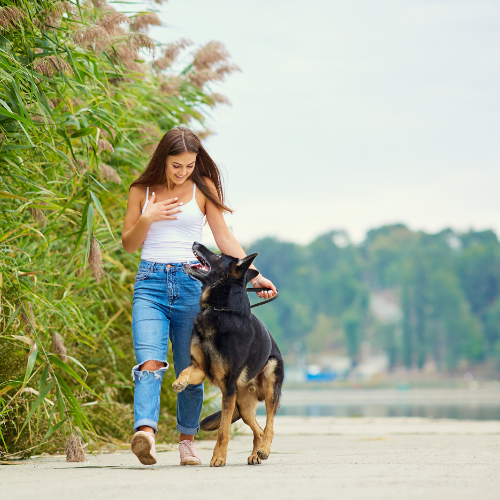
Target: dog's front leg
[[220, 450], [191, 375]]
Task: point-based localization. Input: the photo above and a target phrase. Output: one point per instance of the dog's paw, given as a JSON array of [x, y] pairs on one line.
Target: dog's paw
[[179, 386], [253, 460], [217, 461], [263, 455]]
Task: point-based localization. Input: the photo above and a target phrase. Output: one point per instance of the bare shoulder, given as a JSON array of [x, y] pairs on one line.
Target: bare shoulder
[[137, 195], [137, 192]]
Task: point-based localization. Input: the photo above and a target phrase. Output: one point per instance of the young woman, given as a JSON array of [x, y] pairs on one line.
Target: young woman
[[166, 208]]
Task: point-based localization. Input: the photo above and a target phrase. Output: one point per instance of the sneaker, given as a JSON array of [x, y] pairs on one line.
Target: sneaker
[[188, 453], [143, 446]]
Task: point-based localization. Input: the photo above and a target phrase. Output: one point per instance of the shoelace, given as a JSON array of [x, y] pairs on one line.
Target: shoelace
[[187, 447]]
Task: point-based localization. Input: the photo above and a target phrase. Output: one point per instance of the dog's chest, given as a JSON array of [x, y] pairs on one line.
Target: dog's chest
[[205, 328]]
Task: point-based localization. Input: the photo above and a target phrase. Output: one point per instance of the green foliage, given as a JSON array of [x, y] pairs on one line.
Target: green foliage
[[446, 286], [77, 124]]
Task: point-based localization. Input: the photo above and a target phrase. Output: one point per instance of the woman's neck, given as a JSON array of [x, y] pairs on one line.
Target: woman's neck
[[170, 186]]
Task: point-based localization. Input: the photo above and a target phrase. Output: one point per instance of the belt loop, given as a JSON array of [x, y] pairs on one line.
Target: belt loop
[[152, 267]]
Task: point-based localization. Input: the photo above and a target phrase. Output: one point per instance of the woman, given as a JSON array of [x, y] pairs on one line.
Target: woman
[[166, 207]]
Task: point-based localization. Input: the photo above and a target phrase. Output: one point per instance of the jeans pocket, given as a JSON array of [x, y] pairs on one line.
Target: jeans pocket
[[142, 274]]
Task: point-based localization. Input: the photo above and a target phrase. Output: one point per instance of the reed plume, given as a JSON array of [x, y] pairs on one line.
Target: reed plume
[[58, 346], [111, 20], [27, 320], [141, 41], [211, 64], [10, 17], [74, 449], [38, 215], [104, 145], [109, 173], [142, 22], [171, 53], [95, 260], [50, 65], [85, 37]]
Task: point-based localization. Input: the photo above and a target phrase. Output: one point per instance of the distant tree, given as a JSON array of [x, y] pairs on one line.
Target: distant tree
[[449, 287], [353, 335]]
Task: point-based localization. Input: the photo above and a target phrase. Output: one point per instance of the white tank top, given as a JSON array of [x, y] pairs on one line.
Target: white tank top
[[170, 241]]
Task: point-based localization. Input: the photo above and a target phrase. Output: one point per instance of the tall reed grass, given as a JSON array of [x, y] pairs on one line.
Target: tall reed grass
[[81, 110]]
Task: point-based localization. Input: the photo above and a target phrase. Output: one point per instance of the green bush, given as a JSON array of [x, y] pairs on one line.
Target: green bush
[[81, 110]]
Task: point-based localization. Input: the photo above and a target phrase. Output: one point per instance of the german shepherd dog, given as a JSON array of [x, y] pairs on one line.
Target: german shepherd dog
[[235, 350]]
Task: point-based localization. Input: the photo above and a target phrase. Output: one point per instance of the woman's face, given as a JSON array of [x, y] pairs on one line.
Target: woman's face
[[180, 167]]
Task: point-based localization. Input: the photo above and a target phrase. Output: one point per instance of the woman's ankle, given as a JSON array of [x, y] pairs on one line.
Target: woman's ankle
[[183, 437], [146, 428]]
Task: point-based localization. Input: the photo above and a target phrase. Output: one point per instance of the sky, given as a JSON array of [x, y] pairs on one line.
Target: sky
[[352, 114]]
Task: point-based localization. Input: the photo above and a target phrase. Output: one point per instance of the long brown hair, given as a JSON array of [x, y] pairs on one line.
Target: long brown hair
[[176, 141]]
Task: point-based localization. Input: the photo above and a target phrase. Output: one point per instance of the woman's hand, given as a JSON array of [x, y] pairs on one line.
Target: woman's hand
[[265, 283], [163, 210]]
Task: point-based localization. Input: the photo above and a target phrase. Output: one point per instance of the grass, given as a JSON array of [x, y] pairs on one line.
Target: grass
[[77, 125]]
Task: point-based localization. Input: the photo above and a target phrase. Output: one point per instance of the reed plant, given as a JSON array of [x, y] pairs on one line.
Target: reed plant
[[85, 95]]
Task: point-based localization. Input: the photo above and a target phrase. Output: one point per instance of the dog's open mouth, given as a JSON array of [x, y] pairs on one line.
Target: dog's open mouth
[[201, 268]]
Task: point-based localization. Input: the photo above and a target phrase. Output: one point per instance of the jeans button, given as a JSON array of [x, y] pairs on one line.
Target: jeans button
[[168, 266]]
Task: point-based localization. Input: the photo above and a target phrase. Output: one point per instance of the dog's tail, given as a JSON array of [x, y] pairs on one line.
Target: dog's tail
[[212, 422]]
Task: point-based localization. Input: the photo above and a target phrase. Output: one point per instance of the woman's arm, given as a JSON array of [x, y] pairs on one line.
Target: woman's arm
[[227, 243], [136, 225]]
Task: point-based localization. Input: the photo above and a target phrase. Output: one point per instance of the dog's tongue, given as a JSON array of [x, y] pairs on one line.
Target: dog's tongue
[[199, 266]]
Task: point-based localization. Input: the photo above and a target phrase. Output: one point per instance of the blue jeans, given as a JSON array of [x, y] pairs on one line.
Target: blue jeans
[[166, 301]]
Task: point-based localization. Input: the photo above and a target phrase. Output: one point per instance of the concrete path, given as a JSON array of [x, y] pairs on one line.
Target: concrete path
[[312, 458]]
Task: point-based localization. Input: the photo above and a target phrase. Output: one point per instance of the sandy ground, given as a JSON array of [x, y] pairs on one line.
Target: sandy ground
[[311, 458]]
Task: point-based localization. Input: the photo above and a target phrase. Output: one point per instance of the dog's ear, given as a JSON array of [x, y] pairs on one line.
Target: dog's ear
[[244, 264], [251, 274]]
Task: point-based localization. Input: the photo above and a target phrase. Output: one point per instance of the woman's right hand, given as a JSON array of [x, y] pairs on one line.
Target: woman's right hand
[[162, 210]]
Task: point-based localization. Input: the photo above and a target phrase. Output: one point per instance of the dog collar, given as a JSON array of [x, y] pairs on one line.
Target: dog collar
[[218, 308], [253, 305]]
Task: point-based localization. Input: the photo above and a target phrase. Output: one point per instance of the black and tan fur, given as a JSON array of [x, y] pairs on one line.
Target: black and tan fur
[[235, 350]]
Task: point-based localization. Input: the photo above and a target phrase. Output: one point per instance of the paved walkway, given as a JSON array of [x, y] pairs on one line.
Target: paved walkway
[[312, 458]]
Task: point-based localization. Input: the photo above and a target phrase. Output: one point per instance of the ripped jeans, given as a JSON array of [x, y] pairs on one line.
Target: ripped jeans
[[166, 301]]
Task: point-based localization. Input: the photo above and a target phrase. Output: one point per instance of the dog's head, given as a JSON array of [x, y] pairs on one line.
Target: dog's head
[[219, 267]]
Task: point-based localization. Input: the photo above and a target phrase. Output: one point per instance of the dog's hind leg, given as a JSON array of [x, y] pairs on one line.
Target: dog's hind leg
[[191, 375], [247, 403], [273, 382], [220, 450]]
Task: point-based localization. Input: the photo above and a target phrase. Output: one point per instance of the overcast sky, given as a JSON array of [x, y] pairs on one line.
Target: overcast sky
[[350, 114]]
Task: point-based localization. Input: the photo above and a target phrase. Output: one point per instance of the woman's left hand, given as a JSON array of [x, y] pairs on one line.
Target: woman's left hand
[[265, 283]]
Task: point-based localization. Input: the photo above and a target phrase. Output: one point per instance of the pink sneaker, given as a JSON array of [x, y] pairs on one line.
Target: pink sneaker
[[188, 453], [143, 446]]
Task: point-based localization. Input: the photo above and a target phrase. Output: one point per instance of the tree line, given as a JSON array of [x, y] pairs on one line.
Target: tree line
[[445, 285]]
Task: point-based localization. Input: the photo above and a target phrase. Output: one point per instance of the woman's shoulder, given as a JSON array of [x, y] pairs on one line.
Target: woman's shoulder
[[137, 194], [138, 189]]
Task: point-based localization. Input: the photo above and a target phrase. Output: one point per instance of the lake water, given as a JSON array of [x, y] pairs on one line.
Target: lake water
[[460, 404]]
